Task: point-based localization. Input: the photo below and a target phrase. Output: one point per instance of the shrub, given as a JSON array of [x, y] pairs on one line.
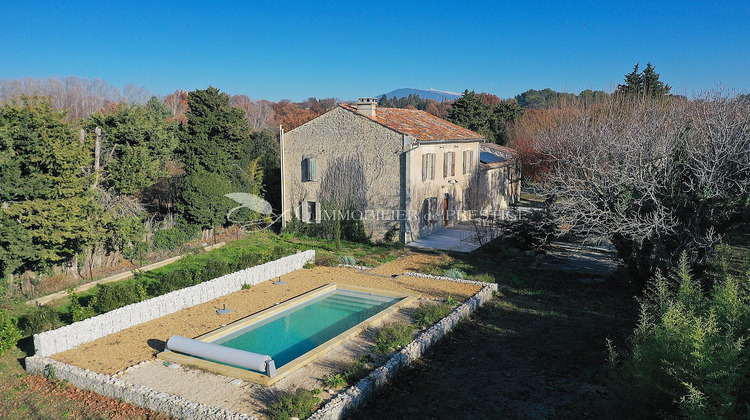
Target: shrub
[[347, 260], [80, 312], [116, 295], [393, 337], [451, 301], [325, 260], [334, 380], [165, 239], [40, 319], [429, 314], [487, 278], [358, 369], [300, 403], [455, 273], [9, 332], [687, 352], [246, 286]]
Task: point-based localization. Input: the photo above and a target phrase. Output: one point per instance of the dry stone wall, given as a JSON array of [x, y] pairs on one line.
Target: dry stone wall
[[73, 335], [168, 404], [354, 396]]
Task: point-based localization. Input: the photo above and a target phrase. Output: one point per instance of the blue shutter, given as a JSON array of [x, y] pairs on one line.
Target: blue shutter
[[313, 169]]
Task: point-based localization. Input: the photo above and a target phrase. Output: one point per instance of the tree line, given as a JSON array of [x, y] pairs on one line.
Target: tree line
[[79, 194]]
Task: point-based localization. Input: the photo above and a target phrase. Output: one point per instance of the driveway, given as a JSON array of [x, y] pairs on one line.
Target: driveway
[[458, 238]]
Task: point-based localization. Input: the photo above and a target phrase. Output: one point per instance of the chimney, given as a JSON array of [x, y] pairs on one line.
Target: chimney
[[367, 106]]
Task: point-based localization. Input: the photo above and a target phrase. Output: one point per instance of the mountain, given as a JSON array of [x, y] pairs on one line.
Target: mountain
[[438, 95]]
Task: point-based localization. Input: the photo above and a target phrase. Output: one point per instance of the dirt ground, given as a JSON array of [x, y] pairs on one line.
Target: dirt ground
[[119, 351]]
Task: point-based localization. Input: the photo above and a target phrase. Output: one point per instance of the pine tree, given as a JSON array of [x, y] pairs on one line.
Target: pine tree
[[645, 83]]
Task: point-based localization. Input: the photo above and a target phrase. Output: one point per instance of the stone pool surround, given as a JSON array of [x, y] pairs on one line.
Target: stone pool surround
[[345, 402], [302, 360]]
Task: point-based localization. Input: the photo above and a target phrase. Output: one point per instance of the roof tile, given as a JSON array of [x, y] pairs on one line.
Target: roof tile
[[419, 124]]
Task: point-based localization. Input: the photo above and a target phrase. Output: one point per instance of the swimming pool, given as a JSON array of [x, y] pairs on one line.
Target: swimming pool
[[298, 331]]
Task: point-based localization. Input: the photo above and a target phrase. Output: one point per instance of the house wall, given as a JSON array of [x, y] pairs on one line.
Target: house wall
[[499, 187], [336, 134], [459, 187]]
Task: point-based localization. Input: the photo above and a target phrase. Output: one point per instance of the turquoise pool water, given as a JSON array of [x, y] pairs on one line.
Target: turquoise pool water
[[299, 329]]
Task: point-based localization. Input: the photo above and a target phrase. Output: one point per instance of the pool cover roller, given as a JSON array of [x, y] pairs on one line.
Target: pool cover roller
[[217, 353]]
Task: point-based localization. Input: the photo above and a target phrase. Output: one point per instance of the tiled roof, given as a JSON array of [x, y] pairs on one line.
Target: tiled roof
[[418, 124]]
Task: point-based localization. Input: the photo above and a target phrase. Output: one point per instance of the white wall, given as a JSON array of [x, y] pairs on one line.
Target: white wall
[[73, 335]]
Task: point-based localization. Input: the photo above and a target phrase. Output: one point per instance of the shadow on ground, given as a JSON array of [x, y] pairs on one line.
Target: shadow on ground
[[536, 351]]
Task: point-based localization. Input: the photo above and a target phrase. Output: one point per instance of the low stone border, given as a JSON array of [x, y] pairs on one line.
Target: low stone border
[[355, 395], [110, 386], [356, 267], [73, 335], [445, 278]]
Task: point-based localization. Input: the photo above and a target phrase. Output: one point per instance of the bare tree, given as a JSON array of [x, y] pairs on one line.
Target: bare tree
[[656, 177], [79, 96], [260, 114]]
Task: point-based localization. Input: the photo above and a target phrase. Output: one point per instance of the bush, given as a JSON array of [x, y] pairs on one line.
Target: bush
[[325, 260], [80, 312], [347, 260], [455, 273], [334, 380], [687, 352], [487, 278], [9, 332], [116, 295], [42, 318], [451, 301], [358, 369], [429, 314], [393, 337], [300, 403]]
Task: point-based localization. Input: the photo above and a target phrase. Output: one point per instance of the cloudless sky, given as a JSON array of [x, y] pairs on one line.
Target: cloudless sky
[[345, 49]]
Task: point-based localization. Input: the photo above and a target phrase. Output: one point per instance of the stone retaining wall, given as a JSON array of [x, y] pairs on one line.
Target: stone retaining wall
[[73, 335], [354, 396], [444, 278], [168, 404]]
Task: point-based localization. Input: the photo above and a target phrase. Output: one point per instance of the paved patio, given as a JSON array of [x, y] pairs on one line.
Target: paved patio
[[458, 238]]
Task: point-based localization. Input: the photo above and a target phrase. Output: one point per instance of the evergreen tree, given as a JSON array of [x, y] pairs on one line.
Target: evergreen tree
[[141, 139], [217, 149], [215, 132], [470, 111], [47, 203], [644, 83]]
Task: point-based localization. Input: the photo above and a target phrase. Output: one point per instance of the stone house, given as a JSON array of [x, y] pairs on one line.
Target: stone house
[[400, 170]]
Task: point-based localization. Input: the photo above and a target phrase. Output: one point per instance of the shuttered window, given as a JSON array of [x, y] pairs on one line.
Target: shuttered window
[[428, 166], [449, 164], [309, 169], [468, 161]]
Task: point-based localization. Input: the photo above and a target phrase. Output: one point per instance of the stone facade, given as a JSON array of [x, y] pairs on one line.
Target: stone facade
[[499, 187], [335, 135], [409, 171]]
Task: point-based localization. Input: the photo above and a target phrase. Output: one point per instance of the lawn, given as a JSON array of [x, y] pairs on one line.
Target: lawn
[[538, 350]]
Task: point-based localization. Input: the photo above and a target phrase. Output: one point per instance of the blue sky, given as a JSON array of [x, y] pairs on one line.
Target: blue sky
[[346, 49]]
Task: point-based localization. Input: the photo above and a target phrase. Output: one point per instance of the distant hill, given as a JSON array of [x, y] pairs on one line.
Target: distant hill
[[438, 95]]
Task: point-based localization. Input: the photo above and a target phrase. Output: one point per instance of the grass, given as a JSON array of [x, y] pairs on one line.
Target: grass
[[299, 403], [428, 314], [538, 350], [392, 337], [368, 255]]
